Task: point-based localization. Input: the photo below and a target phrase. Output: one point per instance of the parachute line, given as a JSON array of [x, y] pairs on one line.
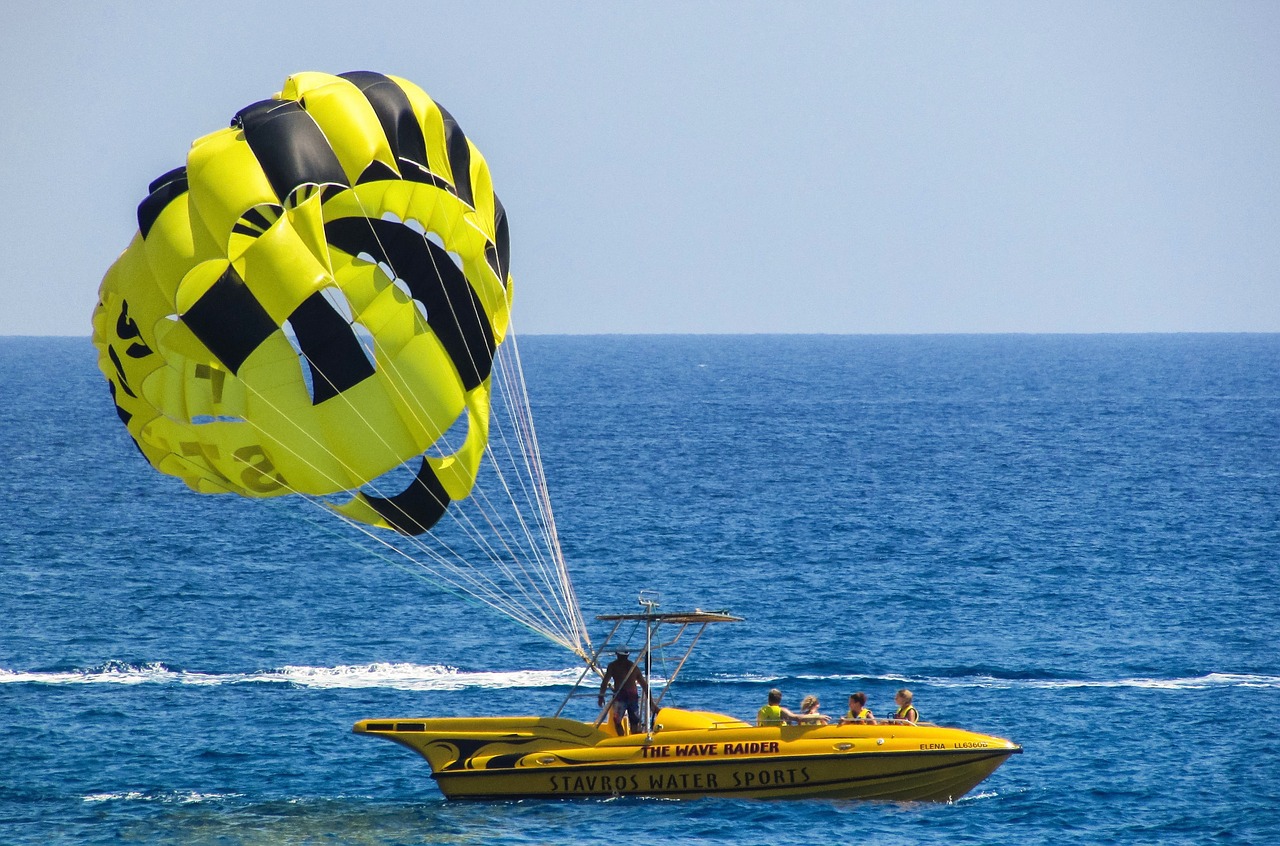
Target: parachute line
[[526, 559]]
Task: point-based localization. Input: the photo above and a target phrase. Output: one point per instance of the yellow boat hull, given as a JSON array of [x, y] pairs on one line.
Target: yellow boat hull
[[694, 754]]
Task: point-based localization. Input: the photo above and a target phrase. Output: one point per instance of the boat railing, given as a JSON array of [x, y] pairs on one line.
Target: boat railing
[[651, 620]]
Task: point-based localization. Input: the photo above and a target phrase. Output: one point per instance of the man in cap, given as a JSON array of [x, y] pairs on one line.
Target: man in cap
[[628, 684]]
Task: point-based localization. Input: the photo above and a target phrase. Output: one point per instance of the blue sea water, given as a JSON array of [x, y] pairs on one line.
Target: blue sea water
[[1070, 541]]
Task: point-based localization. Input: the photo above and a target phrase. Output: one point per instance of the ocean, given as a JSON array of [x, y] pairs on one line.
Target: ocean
[[1069, 541]]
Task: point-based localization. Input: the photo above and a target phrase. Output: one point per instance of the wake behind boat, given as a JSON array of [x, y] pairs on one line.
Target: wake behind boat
[[692, 754]]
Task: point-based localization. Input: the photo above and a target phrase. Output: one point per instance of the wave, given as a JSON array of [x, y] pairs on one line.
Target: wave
[[1038, 680], [413, 677], [437, 677], [180, 798]]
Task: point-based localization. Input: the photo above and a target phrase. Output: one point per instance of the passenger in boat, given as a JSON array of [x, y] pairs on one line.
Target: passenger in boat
[[809, 713], [774, 713], [906, 711], [858, 710], [628, 684]]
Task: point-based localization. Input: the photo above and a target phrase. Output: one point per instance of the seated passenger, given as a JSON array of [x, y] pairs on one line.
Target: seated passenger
[[774, 714], [906, 711], [809, 714], [858, 710]]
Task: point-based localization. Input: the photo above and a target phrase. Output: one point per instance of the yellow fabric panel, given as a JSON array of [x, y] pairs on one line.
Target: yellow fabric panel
[[281, 272], [144, 305], [364, 430], [170, 252], [405, 200], [298, 84], [457, 472], [196, 283], [409, 356], [482, 192], [357, 509], [306, 219], [282, 423], [225, 181], [407, 377], [366, 285], [273, 380], [347, 120], [217, 457], [208, 389], [124, 372], [493, 296]]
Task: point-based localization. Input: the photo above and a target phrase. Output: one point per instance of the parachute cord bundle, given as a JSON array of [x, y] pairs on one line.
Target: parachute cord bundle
[[527, 578]]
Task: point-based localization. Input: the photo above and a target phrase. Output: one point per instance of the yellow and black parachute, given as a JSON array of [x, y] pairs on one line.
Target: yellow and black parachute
[[314, 300]]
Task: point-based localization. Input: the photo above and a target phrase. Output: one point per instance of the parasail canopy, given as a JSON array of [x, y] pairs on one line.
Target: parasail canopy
[[318, 303]]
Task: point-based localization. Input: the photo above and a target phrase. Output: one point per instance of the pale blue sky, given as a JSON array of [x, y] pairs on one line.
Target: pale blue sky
[[721, 167]]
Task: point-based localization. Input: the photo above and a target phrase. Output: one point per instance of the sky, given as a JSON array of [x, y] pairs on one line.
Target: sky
[[720, 167]]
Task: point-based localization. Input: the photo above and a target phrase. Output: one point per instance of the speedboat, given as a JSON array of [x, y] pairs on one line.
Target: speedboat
[[689, 754]]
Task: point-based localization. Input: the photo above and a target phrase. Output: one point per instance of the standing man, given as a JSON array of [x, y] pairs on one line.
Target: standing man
[[628, 684]]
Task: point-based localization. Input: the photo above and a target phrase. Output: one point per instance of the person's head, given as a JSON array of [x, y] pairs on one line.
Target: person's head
[[775, 697], [857, 700], [903, 698], [624, 654], [809, 703]]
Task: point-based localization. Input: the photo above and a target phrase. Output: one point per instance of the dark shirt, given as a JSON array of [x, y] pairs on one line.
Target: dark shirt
[[626, 677]]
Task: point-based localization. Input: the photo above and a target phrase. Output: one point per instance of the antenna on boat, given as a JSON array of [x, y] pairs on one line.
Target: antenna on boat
[[648, 600]]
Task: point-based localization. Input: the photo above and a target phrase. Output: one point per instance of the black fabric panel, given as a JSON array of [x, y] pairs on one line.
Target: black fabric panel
[[124, 383], [377, 172], [289, 145], [229, 320], [124, 416], [127, 330], [454, 312], [459, 157], [163, 191], [394, 112], [415, 509], [499, 254], [331, 348]]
